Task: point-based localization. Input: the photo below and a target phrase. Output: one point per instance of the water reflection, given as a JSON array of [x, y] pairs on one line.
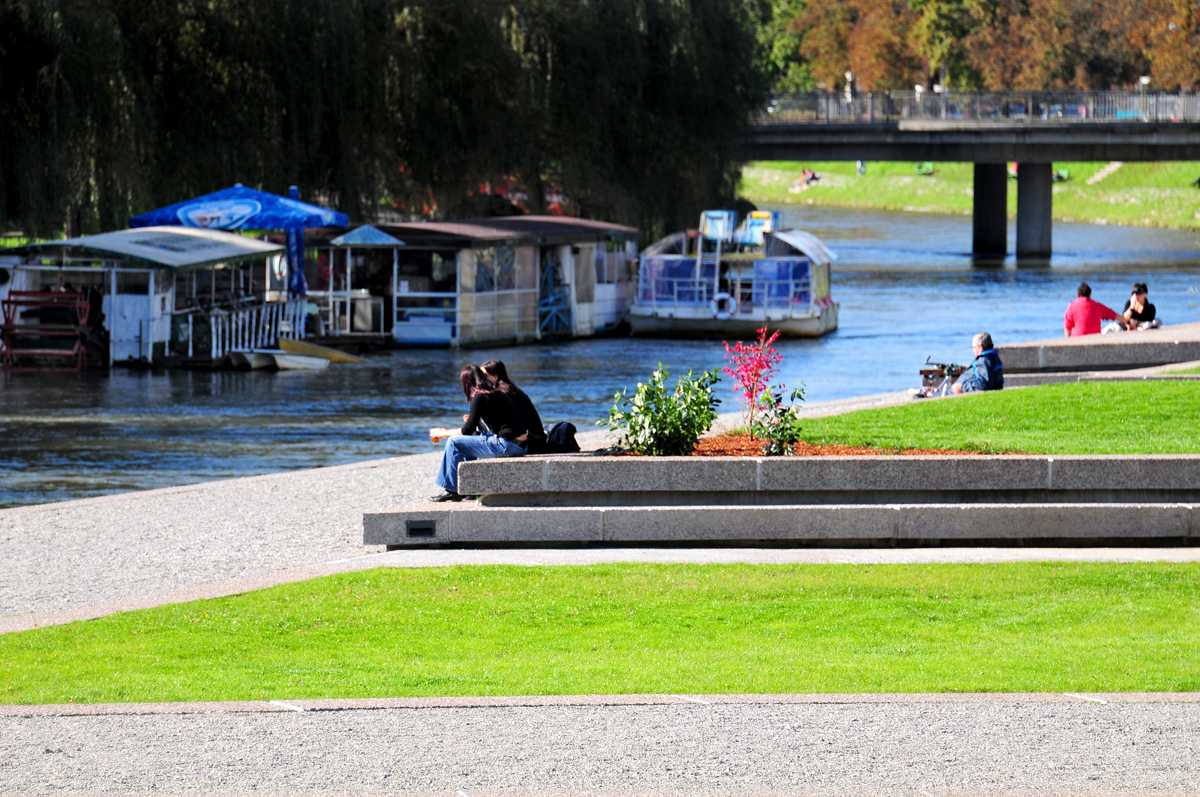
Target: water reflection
[[907, 284]]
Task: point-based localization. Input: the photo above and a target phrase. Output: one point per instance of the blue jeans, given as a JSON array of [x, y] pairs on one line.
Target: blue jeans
[[464, 448]]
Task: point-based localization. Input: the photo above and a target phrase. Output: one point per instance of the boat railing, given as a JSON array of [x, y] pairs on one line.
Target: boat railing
[[257, 327], [678, 292]]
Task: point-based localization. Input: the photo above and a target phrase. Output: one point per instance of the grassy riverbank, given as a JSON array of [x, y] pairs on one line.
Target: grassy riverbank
[[1076, 418], [1144, 194], [637, 628]]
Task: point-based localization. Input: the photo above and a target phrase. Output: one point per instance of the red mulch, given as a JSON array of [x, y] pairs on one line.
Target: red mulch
[[740, 445]]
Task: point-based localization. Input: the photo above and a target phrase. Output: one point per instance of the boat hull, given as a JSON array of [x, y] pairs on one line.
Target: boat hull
[[250, 359], [739, 326], [299, 362]]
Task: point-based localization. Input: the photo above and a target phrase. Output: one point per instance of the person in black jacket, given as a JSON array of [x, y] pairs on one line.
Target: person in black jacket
[[1139, 312], [507, 436], [986, 373], [497, 375]]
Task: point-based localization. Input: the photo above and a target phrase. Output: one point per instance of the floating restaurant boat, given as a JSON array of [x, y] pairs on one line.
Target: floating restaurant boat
[[721, 281], [474, 282]]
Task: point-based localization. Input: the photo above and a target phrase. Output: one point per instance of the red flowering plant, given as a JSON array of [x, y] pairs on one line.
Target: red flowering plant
[[753, 367]]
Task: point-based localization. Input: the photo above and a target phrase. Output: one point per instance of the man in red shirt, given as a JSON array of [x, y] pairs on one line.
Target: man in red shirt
[[1083, 316]]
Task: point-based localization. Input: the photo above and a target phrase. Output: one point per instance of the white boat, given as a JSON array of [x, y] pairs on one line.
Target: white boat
[[254, 360], [720, 281], [286, 361]]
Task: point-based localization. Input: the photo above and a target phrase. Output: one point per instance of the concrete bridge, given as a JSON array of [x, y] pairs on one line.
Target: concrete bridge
[[983, 129]]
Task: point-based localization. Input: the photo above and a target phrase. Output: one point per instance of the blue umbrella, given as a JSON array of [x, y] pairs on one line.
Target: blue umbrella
[[241, 208]]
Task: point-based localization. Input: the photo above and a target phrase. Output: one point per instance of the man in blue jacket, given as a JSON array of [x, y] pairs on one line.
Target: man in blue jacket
[[986, 373]]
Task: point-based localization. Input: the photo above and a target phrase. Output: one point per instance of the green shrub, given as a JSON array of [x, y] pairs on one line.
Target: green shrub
[[660, 422], [777, 424]]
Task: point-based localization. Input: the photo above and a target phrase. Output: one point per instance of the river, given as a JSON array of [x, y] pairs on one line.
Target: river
[[906, 285]]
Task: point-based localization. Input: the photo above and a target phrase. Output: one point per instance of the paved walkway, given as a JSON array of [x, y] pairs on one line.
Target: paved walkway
[[851, 745]]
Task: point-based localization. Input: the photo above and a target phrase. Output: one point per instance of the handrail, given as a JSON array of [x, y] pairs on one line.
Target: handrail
[[1029, 107]]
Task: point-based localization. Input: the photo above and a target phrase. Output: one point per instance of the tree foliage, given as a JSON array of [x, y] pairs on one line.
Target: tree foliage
[[1001, 44], [636, 109]]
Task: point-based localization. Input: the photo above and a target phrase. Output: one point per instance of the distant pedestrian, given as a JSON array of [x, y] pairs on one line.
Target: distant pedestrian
[[1083, 315], [987, 372]]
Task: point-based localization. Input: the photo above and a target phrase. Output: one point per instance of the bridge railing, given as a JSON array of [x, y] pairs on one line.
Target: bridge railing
[[983, 106]]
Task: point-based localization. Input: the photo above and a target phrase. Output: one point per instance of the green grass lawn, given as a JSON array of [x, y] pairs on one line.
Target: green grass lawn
[[638, 628], [1149, 194], [1077, 418]]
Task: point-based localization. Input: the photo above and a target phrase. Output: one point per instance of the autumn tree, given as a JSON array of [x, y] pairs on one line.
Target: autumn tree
[[869, 38]]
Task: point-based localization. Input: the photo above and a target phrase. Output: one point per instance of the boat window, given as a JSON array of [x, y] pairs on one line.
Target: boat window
[[423, 271], [506, 268], [443, 270], [485, 270], [135, 283]]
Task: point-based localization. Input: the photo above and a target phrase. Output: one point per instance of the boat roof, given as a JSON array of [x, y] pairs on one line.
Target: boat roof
[[173, 248], [496, 231], [807, 244]]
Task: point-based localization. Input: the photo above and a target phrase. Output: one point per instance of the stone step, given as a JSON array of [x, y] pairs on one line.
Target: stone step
[[878, 524], [613, 481]]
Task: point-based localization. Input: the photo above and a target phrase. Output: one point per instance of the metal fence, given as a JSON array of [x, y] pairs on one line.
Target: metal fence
[[1079, 107]]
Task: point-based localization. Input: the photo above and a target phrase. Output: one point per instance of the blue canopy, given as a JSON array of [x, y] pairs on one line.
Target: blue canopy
[[241, 208], [366, 236]]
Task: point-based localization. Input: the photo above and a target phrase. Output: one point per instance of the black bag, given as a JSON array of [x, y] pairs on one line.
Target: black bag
[[561, 439]]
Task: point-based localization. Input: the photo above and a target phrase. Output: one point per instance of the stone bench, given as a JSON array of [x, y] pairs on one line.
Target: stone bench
[[807, 500]]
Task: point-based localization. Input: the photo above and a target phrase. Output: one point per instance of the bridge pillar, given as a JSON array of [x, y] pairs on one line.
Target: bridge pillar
[[990, 217], [1035, 193]]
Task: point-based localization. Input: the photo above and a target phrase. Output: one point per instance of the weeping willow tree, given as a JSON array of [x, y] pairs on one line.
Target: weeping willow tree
[[636, 109]]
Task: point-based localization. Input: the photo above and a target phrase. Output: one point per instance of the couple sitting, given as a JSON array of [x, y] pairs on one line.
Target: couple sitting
[[502, 422]]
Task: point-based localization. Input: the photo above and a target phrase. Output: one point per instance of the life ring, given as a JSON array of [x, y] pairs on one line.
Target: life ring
[[715, 306]]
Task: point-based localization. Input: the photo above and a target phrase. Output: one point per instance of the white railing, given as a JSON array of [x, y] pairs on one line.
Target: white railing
[[676, 292], [257, 327]]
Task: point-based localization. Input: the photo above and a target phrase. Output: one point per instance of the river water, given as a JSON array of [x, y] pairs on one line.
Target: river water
[[906, 285]]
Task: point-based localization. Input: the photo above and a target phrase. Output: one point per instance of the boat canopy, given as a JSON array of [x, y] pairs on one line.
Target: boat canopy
[[804, 242], [366, 236], [174, 248], [241, 208]]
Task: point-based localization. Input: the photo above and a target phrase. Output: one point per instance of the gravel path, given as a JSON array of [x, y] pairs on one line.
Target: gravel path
[[928, 745]]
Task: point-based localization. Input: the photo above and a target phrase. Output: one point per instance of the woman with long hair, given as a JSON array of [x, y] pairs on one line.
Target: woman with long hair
[[497, 375], [507, 436]]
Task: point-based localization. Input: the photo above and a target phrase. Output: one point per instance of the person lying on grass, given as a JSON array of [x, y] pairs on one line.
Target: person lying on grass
[[490, 406], [987, 372]]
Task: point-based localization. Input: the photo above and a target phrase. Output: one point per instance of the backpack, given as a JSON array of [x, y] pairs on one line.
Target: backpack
[[561, 439]]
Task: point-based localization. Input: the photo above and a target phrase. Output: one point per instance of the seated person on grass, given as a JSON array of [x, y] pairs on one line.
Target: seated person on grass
[[986, 373]]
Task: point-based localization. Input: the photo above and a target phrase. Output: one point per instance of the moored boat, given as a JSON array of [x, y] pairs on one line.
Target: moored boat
[[253, 360], [286, 361], [721, 281]]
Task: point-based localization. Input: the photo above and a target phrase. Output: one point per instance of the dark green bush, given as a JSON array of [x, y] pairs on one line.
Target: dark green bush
[[659, 421]]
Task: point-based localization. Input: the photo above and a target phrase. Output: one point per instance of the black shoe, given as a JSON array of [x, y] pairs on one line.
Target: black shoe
[[446, 496]]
